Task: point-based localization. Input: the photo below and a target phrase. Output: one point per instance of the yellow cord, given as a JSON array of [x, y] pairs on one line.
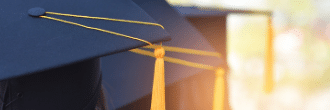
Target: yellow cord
[[110, 19], [269, 60], [186, 51], [219, 89], [102, 30], [158, 88], [174, 60]]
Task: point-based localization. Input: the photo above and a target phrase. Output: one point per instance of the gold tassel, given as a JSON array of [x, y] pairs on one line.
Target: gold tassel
[[219, 90], [269, 81], [158, 89]]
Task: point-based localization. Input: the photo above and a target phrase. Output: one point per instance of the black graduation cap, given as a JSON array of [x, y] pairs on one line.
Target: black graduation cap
[[52, 64], [132, 78]]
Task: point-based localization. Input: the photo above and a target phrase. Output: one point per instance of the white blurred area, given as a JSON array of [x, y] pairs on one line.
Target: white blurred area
[[302, 53]]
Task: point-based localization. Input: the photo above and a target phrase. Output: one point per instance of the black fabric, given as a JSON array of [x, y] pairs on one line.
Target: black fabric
[[3, 90], [30, 44], [71, 87], [92, 103]]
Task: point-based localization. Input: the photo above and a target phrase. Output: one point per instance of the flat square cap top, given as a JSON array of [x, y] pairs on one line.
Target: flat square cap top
[[33, 44]]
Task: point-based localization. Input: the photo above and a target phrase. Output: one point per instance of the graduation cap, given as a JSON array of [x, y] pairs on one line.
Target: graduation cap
[[50, 49], [131, 75]]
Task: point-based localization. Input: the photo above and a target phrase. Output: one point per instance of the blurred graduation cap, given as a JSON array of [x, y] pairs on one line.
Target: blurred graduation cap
[[212, 23], [131, 74], [50, 61]]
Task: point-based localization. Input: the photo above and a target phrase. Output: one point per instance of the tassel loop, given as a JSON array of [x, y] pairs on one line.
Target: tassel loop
[[159, 52], [219, 72]]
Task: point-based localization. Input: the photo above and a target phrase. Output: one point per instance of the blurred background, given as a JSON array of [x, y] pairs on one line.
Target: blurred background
[[302, 53]]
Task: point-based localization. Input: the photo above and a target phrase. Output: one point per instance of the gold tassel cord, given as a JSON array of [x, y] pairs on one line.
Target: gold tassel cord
[[109, 19], [102, 18], [158, 89], [174, 60], [186, 51], [98, 29], [219, 90], [269, 59]]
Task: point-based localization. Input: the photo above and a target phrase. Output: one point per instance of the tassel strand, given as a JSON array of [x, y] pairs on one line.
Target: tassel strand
[[219, 90], [158, 90]]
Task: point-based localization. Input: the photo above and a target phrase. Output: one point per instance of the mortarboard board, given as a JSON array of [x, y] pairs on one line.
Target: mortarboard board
[[132, 78], [48, 64]]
